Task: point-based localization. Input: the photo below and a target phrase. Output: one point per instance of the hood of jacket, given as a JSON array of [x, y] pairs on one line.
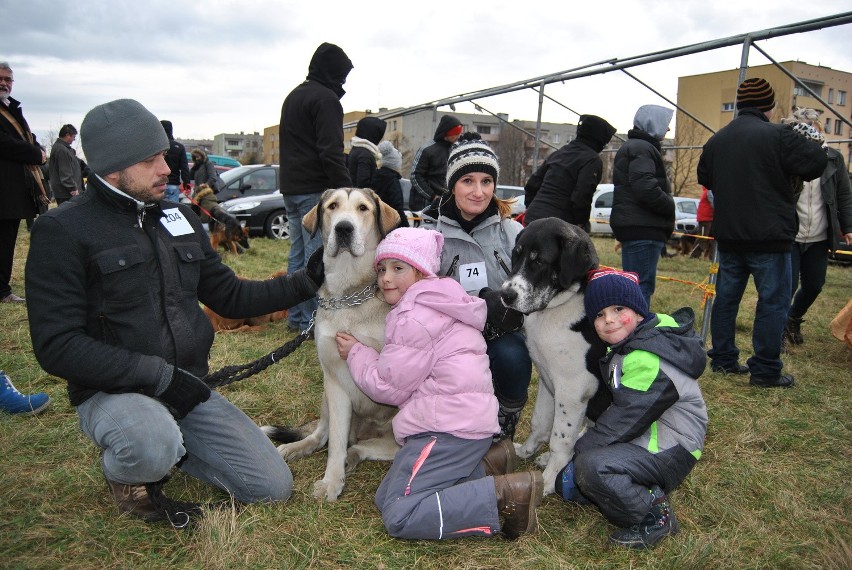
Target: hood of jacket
[[329, 66], [594, 131], [446, 123], [446, 296], [167, 126], [653, 120], [371, 129]]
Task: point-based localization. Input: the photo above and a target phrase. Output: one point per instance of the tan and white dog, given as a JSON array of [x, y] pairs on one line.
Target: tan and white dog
[[352, 222]]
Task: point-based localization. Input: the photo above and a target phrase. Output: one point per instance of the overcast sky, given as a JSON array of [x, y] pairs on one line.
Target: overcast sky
[[225, 66]]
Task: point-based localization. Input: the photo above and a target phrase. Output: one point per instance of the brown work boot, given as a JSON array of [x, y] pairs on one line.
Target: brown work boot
[[500, 459], [134, 499], [518, 495]]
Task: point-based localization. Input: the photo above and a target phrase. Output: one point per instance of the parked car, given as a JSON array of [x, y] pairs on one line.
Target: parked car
[[843, 253], [265, 215], [262, 214], [685, 209], [222, 163], [510, 192], [249, 180]]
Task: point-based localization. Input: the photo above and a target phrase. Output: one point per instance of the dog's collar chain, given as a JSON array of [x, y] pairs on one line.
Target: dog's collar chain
[[351, 300]]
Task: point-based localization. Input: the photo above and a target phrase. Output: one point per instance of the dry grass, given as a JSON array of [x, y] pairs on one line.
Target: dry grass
[[772, 490]]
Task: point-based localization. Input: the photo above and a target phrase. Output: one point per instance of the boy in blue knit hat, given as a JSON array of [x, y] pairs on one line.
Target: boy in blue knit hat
[[645, 444]]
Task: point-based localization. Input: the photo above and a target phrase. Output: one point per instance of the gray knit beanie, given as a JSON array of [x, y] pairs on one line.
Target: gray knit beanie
[[391, 157], [119, 134]]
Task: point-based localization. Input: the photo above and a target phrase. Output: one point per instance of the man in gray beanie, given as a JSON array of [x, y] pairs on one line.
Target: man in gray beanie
[[115, 278]]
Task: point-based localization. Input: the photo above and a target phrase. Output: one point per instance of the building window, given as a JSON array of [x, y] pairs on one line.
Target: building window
[[726, 107], [827, 125], [830, 96], [838, 127], [841, 97], [800, 91], [393, 125], [483, 129], [555, 138]]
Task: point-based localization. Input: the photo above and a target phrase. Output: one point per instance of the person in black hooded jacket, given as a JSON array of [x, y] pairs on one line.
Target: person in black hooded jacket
[[365, 158], [564, 185], [312, 158], [429, 170]]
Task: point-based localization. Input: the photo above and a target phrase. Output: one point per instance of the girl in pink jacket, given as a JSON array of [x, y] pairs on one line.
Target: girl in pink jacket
[[447, 480]]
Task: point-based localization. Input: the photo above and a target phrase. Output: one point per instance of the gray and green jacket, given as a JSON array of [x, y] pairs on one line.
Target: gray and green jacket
[[656, 401]]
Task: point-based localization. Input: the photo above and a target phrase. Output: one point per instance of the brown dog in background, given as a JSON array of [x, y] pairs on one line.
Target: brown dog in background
[[222, 324]]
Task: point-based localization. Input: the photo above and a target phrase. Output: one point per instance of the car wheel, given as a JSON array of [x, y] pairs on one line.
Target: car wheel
[[276, 226]]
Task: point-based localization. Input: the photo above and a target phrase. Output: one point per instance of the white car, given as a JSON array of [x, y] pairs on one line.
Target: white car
[[685, 209]]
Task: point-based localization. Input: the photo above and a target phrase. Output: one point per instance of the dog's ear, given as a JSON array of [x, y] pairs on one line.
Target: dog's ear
[[578, 258], [387, 219], [313, 219]]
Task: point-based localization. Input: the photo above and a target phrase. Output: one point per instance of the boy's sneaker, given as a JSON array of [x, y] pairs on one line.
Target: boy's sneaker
[[657, 524], [13, 402]]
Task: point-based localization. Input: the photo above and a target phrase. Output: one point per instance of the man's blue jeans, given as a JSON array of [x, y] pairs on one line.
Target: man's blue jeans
[[141, 442], [772, 279], [172, 192], [641, 257], [302, 245]]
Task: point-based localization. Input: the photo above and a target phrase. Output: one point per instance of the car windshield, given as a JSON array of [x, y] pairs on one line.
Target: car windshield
[[231, 175]]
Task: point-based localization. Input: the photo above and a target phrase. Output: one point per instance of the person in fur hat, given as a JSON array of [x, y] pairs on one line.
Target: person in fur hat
[[564, 185], [365, 158], [444, 482], [386, 180]]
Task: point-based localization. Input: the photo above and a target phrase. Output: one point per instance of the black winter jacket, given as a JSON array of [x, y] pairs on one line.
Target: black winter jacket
[[642, 204], [176, 159], [362, 161], [111, 303], [311, 127], [386, 185], [748, 165], [16, 155], [429, 170], [564, 185]]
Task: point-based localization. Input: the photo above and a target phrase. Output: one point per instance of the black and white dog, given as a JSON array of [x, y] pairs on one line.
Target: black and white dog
[[549, 266]]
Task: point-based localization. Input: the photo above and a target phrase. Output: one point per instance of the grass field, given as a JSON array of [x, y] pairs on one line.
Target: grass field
[[772, 489]]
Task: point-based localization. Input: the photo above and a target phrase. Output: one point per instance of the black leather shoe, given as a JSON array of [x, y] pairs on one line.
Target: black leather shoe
[[737, 368], [783, 381]]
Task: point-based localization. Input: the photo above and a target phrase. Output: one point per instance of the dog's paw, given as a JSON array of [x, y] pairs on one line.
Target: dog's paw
[[329, 492], [290, 451], [353, 458], [526, 450], [542, 460]]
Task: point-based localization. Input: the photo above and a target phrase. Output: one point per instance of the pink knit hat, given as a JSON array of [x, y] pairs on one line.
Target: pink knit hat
[[417, 247]]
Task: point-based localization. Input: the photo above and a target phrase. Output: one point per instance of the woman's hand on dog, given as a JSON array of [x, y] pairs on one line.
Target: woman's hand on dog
[[345, 342]]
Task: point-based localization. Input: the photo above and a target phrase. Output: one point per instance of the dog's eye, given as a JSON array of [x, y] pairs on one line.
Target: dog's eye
[[363, 207], [332, 206]]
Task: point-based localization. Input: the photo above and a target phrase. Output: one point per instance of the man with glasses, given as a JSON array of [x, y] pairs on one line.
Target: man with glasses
[[21, 186]]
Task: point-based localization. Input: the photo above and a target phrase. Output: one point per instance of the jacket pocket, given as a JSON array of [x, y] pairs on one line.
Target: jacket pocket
[[122, 273], [189, 256]]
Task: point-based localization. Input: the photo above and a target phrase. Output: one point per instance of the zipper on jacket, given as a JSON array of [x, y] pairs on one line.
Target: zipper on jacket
[[502, 263], [453, 266]]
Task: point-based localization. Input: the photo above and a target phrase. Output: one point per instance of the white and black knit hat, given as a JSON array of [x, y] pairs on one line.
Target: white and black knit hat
[[470, 154]]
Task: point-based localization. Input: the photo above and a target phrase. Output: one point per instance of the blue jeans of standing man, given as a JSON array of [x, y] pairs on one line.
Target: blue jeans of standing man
[[141, 442], [302, 245], [172, 192], [772, 279], [641, 257], [511, 367]]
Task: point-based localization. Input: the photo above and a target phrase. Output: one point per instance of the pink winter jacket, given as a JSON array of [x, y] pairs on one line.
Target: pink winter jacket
[[433, 365]]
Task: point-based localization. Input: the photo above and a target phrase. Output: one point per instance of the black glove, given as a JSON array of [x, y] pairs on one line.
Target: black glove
[[500, 316], [315, 269], [183, 393]]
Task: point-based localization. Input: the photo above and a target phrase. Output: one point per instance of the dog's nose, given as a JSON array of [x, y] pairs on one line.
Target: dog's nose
[[508, 295], [343, 233]]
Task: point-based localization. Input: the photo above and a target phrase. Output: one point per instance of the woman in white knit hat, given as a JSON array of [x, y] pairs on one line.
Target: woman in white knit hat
[[479, 235]]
